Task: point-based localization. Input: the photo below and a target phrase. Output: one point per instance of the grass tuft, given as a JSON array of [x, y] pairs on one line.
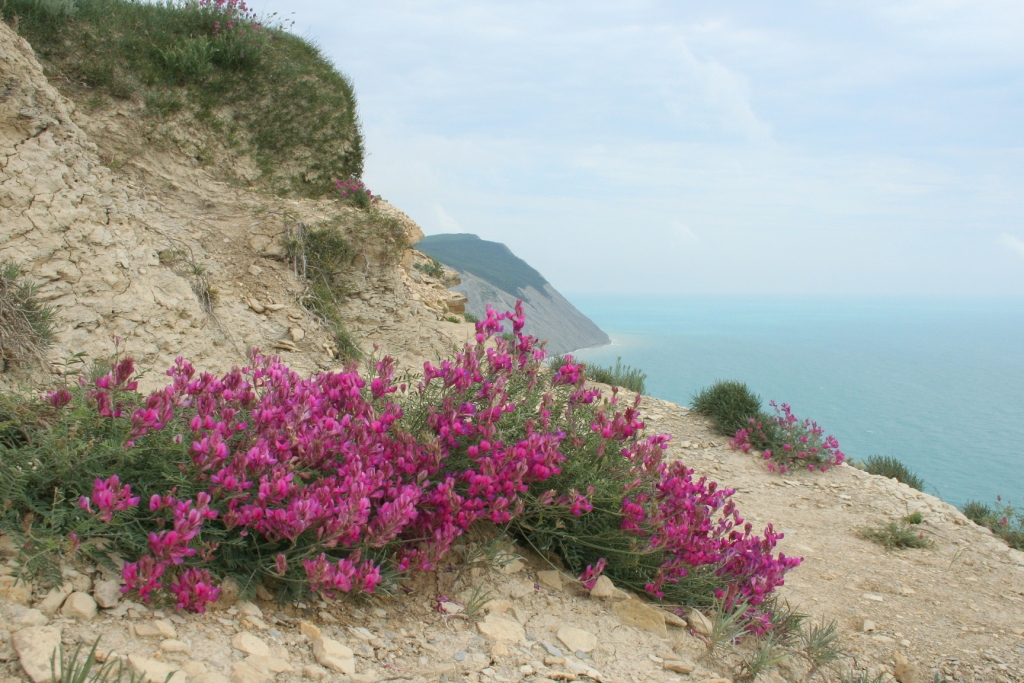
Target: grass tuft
[[895, 535], [620, 375], [888, 466], [1004, 520], [729, 404], [26, 324]]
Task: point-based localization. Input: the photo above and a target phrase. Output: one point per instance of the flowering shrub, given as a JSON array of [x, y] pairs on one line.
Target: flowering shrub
[[785, 441], [354, 193], [338, 482]]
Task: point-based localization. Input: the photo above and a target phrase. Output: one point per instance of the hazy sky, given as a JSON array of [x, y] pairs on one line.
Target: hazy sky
[[808, 147]]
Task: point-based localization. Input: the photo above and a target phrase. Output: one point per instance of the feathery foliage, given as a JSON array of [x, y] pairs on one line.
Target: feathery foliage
[[729, 404]]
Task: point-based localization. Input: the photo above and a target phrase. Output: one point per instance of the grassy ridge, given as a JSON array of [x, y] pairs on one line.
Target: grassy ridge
[[261, 90]]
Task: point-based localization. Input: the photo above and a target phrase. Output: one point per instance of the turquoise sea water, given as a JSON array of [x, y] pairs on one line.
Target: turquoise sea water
[[938, 384]]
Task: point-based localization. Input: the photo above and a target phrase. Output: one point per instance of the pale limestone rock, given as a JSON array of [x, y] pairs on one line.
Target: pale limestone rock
[[550, 578], [603, 588], [641, 615], [576, 639], [513, 567], [157, 628], [297, 334], [15, 590], [328, 652], [867, 625], [211, 677], [107, 593], [155, 671], [905, 671], [32, 617], [53, 601], [249, 609], [269, 664], [500, 628], [35, 646], [314, 672], [250, 644], [194, 669], [243, 672], [680, 666], [699, 623], [79, 606], [175, 645]]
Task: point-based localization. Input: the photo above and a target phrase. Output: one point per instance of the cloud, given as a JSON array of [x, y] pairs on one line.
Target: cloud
[[1013, 243], [445, 221]]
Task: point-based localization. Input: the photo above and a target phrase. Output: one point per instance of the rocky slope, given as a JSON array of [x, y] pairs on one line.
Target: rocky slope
[[491, 274], [162, 256]]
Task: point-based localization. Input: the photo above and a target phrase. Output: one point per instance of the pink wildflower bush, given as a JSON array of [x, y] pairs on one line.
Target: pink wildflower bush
[[338, 482], [787, 442], [353, 191]]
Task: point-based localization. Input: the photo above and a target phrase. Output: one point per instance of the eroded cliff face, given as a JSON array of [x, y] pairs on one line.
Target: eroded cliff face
[[130, 238]]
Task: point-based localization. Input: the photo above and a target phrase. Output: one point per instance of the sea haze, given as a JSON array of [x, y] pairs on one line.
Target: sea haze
[[937, 383]]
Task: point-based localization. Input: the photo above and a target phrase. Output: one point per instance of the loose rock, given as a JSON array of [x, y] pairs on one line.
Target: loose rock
[[501, 628], [641, 615], [107, 594], [79, 606], [155, 671], [15, 590], [250, 645], [157, 628], [577, 639], [698, 622], [35, 646], [328, 652], [550, 578]]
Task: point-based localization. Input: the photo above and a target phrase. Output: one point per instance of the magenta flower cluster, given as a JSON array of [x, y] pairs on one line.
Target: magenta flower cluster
[[354, 190], [789, 442], [323, 470]]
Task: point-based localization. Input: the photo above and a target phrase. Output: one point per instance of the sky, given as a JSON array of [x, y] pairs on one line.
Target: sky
[[809, 148]]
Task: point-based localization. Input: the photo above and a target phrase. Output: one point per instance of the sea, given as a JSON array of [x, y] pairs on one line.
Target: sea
[[938, 384]]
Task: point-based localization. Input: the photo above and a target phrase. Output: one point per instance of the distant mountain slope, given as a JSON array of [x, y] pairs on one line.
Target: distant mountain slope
[[492, 274]]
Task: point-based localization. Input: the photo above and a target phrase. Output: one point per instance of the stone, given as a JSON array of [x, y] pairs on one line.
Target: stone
[[314, 672], [255, 305], [53, 601], [157, 628], [513, 567], [255, 270], [107, 594], [35, 646], [250, 644], [501, 628], [174, 645], [243, 672], [79, 581], [603, 588], [497, 606], [680, 666], [699, 623], [297, 334], [906, 672], [551, 649], [673, 619], [867, 625], [328, 652], [79, 606], [577, 639], [451, 607], [641, 615], [249, 609], [14, 589], [32, 617], [275, 665], [193, 669], [211, 677], [228, 594], [155, 671], [550, 578]]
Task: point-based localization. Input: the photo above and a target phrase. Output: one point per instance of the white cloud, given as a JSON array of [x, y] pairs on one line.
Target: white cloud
[[1013, 243]]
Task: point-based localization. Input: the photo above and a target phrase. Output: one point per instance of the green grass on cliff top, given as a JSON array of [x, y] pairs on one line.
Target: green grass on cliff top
[[262, 90]]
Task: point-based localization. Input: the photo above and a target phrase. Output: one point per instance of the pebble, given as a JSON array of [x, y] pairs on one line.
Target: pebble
[[577, 639], [157, 628], [107, 594], [550, 578], [80, 606], [174, 645], [35, 646]]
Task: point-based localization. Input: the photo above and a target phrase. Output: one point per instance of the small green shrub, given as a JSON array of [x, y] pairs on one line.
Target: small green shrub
[[434, 269], [1004, 520], [621, 375], [729, 404], [323, 258], [888, 466], [895, 535], [914, 518], [470, 318], [26, 324]]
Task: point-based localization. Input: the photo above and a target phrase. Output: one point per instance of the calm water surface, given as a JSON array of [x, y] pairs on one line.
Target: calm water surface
[[938, 384]]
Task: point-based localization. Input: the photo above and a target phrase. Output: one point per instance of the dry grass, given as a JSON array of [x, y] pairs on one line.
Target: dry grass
[[26, 324]]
